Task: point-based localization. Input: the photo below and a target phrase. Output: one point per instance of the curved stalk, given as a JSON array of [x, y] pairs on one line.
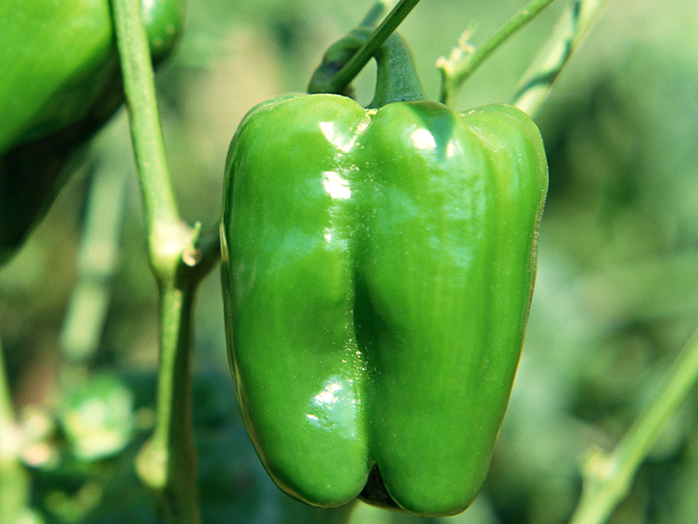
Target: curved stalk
[[338, 82]]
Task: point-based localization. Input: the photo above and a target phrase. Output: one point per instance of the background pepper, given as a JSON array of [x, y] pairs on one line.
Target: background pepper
[[61, 83], [378, 267]]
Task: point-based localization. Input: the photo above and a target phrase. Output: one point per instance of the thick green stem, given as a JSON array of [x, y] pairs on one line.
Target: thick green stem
[[168, 235], [608, 478], [568, 34], [168, 462], [397, 79], [180, 256], [338, 81], [465, 59]]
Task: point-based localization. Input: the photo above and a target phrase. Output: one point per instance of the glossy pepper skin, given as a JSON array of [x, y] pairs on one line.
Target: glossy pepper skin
[[60, 84], [377, 269]]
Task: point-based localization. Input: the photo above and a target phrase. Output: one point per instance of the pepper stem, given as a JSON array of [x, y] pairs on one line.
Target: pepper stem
[[340, 79], [397, 79]]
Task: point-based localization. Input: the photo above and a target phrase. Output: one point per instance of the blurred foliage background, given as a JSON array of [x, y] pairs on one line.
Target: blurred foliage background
[[616, 296]]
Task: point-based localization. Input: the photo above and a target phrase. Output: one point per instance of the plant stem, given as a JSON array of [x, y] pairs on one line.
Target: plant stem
[[567, 36], [465, 59], [97, 262], [608, 477], [168, 461], [167, 233], [179, 256], [338, 82]]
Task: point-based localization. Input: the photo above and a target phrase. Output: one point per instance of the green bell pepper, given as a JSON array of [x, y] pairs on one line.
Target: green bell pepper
[[377, 268], [60, 83]]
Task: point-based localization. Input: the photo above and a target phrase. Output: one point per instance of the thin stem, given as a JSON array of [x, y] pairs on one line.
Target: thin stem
[[465, 59], [338, 82], [608, 478], [568, 34], [204, 256]]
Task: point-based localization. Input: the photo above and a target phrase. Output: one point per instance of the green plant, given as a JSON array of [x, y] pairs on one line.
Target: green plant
[[614, 287]]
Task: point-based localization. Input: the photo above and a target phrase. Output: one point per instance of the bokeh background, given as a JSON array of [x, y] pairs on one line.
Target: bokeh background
[[616, 296]]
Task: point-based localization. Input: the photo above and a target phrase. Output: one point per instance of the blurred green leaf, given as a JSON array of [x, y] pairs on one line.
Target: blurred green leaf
[[97, 417]]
